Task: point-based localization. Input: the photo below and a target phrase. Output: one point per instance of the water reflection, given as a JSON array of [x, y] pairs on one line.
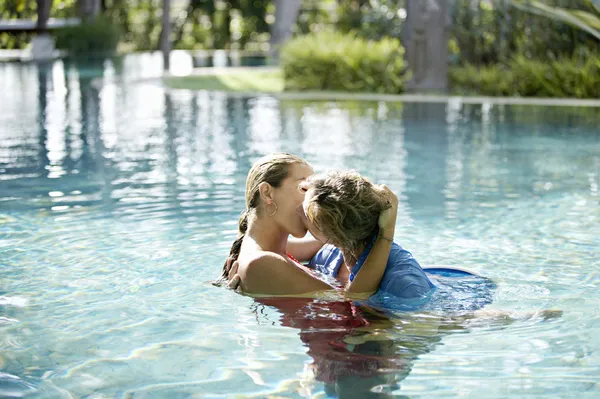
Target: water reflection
[[426, 135], [358, 352], [42, 95], [355, 353], [117, 132]]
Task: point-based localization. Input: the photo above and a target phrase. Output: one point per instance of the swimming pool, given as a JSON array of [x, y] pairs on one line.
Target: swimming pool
[[118, 204]]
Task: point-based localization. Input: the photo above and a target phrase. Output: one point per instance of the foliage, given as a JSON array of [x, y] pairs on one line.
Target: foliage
[[492, 80], [500, 47], [204, 24], [588, 21], [336, 61], [565, 77], [371, 19], [21, 9], [97, 36], [485, 33], [482, 32], [197, 23]]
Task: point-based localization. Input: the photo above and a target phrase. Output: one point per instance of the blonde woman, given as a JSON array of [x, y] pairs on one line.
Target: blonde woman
[[342, 209]]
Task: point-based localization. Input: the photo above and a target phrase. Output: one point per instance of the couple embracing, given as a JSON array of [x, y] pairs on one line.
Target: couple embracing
[[351, 251]]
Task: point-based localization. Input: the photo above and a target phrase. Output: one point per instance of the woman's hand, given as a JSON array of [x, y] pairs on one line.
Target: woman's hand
[[233, 279], [387, 218]]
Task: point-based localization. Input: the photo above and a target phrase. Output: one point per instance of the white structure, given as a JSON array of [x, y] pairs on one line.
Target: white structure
[[42, 48]]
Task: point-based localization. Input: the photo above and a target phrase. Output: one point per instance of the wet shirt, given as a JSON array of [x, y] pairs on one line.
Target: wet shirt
[[403, 283]]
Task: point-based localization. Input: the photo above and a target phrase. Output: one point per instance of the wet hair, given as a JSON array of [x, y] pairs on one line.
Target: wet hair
[[345, 208], [272, 169]]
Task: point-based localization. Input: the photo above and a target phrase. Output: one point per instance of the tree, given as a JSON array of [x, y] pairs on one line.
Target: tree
[[43, 14], [165, 35], [286, 13]]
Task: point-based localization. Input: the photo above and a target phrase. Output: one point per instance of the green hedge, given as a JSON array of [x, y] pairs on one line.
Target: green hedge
[[336, 61], [97, 36], [528, 78]]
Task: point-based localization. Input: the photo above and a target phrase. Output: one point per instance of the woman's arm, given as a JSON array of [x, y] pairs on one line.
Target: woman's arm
[[369, 276], [271, 274], [305, 248]]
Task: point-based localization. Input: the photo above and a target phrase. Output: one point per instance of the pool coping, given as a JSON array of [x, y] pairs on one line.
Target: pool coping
[[345, 96]]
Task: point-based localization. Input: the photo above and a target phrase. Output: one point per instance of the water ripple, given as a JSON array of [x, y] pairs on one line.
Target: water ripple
[[121, 202]]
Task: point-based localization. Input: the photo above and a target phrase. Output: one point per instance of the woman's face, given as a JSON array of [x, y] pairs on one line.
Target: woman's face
[[289, 197], [303, 212]]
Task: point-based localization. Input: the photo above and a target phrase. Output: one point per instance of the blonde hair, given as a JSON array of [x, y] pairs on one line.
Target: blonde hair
[[272, 169], [345, 208]]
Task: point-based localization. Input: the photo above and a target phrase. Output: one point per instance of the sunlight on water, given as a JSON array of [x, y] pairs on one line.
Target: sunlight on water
[[119, 201]]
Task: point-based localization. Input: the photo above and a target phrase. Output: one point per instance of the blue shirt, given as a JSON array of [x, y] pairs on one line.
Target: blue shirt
[[404, 283]]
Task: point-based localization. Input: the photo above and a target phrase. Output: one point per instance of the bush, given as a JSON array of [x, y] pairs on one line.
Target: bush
[[336, 61], [97, 36], [493, 80], [528, 78], [560, 78]]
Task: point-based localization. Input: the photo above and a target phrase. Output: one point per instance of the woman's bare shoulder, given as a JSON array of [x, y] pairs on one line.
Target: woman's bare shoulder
[[265, 272], [259, 265], [261, 260]]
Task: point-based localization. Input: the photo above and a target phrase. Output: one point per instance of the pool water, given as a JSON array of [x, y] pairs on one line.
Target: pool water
[[119, 201]]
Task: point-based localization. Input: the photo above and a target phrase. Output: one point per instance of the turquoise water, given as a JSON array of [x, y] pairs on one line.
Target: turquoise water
[[119, 200]]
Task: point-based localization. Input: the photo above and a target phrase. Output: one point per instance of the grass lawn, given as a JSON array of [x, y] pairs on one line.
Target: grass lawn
[[270, 80], [246, 80]]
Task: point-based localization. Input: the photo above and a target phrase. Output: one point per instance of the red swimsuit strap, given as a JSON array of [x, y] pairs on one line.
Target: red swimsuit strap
[[292, 258]]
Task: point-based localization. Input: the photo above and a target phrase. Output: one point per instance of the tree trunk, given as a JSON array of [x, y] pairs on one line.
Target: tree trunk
[[43, 14], [286, 13], [189, 15], [89, 9], [220, 29], [165, 35]]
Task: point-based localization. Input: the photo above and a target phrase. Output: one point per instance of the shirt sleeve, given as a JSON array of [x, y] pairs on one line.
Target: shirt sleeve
[[404, 277], [407, 286], [323, 260]]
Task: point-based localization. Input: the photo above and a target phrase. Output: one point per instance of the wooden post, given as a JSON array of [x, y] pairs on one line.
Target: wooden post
[[165, 36]]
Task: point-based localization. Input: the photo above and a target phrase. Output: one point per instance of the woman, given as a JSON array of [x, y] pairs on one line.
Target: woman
[[266, 262], [342, 209]]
